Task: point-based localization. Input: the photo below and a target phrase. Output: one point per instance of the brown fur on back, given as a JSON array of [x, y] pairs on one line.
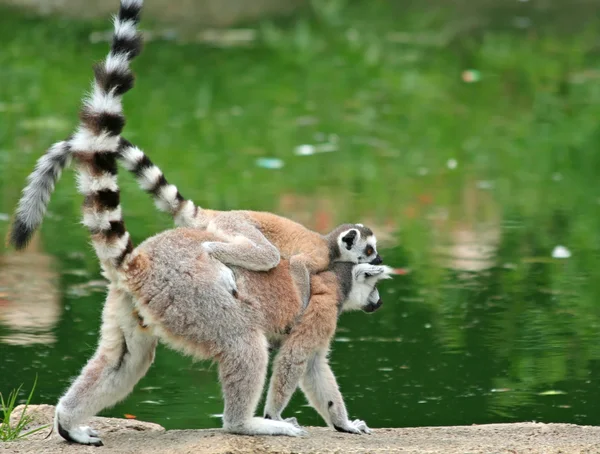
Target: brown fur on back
[[292, 238], [170, 273]]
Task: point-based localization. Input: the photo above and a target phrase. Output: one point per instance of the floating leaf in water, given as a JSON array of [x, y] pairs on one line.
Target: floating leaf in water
[[551, 392], [561, 252], [128, 416], [471, 75], [269, 163], [304, 150], [307, 150]]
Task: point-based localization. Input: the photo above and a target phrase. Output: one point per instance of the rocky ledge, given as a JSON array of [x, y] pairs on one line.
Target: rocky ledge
[[131, 436]]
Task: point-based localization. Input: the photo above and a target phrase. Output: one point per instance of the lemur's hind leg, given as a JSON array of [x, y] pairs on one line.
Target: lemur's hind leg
[[244, 245], [301, 278], [242, 370], [123, 356]]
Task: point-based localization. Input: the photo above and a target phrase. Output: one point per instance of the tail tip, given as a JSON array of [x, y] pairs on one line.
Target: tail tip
[[20, 234]]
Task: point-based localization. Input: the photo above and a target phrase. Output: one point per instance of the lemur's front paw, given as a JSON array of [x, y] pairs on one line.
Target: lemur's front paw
[[353, 427]]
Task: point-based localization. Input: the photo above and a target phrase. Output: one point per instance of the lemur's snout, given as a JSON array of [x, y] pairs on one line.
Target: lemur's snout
[[372, 307], [377, 260]]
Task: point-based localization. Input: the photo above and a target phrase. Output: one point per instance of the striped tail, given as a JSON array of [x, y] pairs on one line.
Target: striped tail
[[167, 197], [102, 215], [102, 121], [36, 195]]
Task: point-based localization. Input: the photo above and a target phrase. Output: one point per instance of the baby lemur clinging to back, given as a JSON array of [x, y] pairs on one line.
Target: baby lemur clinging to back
[[249, 239]]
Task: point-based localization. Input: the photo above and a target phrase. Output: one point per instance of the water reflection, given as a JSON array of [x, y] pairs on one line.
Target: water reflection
[[29, 296], [469, 243]]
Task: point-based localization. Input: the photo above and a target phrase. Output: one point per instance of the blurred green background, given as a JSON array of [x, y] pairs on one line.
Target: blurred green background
[[466, 135]]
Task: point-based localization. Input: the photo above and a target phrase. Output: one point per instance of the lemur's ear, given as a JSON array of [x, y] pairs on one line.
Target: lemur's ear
[[349, 238]]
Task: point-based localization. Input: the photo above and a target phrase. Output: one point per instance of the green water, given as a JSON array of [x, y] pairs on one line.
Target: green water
[[470, 187]]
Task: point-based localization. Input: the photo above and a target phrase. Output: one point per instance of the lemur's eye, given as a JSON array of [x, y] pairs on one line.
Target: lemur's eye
[[369, 250]]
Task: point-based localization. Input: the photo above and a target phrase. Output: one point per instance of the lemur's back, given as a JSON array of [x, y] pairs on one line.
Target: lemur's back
[[171, 273], [288, 235]]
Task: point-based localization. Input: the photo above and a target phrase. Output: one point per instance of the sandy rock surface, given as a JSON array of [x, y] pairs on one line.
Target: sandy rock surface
[[131, 436]]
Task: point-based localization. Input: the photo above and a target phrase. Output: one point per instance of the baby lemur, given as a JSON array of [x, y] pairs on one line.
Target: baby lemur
[[249, 239]]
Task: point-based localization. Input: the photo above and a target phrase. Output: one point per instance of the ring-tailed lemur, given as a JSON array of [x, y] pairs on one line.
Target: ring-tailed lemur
[[254, 240], [170, 289]]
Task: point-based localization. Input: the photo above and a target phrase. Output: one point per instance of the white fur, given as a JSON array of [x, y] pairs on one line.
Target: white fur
[[363, 291], [88, 184], [131, 156], [100, 101], [166, 199], [185, 217], [85, 435], [137, 3], [86, 141], [110, 251], [347, 255], [261, 426], [125, 29], [101, 220], [227, 278], [41, 181], [117, 63], [149, 177]]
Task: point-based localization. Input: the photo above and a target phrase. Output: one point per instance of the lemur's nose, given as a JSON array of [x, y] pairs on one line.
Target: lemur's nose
[[377, 260]]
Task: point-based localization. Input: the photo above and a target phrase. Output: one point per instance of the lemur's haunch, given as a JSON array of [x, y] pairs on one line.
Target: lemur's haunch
[[250, 239]]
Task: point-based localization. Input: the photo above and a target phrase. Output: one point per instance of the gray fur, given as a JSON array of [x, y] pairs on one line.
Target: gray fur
[[36, 195]]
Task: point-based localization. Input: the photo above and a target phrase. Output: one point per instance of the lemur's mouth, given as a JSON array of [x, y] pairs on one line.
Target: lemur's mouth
[[372, 307]]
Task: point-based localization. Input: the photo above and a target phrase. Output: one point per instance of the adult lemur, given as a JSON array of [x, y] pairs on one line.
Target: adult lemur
[[171, 288], [250, 239]]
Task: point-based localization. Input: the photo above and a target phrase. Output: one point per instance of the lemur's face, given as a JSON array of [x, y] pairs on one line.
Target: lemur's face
[[364, 294], [358, 245]]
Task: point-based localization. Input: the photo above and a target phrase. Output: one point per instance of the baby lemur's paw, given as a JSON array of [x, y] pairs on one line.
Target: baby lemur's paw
[[354, 427], [83, 435], [210, 246]]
